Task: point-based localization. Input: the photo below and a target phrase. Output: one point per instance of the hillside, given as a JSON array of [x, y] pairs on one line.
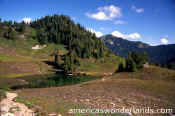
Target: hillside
[[43, 85], [18, 59], [158, 54], [57, 33]]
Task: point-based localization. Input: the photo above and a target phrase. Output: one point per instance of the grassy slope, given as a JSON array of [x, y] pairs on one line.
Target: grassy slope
[[19, 54], [18, 59], [100, 67]]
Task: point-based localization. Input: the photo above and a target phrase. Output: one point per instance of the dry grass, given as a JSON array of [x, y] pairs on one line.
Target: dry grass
[[122, 89]]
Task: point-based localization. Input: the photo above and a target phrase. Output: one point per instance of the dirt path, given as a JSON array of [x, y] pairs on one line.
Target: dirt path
[[9, 107]]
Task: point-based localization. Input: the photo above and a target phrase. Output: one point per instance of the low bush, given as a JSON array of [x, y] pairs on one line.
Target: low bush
[[2, 94], [24, 101]]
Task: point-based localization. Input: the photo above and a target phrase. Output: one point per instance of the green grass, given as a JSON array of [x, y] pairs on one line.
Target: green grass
[[18, 58], [24, 101], [16, 75], [2, 94], [7, 58], [99, 66], [23, 49], [88, 66]]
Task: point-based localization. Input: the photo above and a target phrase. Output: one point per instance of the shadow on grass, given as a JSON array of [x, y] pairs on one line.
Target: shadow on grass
[[56, 68]]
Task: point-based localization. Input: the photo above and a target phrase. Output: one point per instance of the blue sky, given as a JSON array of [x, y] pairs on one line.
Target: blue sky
[[150, 21]]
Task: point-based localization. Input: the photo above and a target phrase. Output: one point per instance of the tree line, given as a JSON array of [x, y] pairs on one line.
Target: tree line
[[12, 28]]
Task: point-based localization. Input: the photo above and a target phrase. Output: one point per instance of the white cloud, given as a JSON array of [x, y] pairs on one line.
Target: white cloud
[[134, 36], [138, 10], [118, 34], [97, 33], [126, 36], [106, 13], [164, 41], [98, 16], [153, 44], [27, 20], [119, 22]]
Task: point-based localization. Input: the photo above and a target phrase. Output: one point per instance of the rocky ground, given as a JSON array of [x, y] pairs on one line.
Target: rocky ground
[[11, 108]]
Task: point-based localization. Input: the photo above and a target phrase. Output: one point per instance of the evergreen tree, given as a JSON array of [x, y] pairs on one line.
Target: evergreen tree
[[130, 65], [71, 62], [20, 28], [41, 35], [67, 64], [56, 57], [139, 59], [134, 62], [10, 34], [133, 66], [121, 67]]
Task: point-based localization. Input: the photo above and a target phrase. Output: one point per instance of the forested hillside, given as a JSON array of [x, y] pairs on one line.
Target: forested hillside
[[60, 29]]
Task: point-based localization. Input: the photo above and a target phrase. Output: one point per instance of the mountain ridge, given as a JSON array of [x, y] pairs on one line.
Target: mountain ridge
[[158, 54]]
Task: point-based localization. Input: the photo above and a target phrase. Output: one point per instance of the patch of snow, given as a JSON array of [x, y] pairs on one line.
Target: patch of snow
[[146, 65], [37, 47], [111, 42]]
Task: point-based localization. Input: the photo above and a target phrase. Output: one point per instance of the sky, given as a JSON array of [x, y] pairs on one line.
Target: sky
[[149, 21]]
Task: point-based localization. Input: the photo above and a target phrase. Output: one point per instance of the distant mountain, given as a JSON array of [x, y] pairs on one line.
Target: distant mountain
[[159, 54]]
